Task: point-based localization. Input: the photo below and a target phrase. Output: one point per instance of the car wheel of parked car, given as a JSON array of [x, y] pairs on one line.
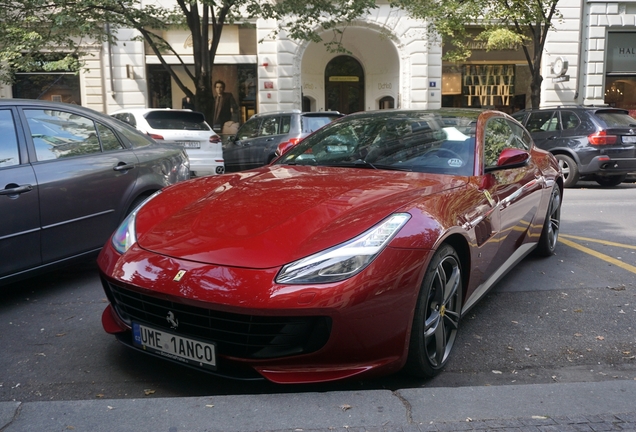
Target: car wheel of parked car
[[610, 181], [570, 170], [550, 232], [436, 315]]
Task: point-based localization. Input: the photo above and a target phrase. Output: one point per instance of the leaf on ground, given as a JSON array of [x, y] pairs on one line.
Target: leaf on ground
[[496, 372], [600, 338], [148, 392], [99, 395], [345, 407]]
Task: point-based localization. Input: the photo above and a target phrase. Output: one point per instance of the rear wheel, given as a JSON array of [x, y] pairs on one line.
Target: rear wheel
[[610, 181], [569, 168], [550, 232], [437, 315]]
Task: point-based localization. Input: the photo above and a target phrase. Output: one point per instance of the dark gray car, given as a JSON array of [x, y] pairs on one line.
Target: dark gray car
[[596, 143], [257, 139], [68, 177]]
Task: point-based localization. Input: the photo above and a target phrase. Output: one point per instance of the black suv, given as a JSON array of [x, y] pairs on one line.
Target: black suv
[[256, 141], [589, 142]]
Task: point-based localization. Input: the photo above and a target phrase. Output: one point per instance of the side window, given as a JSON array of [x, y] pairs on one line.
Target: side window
[[60, 134], [9, 155], [108, 138], [285, 124], [498, 136], [543, 121], [249, 129], [135, 138], [270, 126], [569, 120]]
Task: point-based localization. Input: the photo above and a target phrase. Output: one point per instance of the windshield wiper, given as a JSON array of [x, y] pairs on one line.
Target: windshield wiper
[[360, 163]]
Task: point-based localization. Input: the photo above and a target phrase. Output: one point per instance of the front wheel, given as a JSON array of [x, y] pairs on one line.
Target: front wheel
[[437, 315]]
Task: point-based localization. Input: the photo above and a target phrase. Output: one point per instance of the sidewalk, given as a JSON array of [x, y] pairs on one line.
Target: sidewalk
[[607, 405]]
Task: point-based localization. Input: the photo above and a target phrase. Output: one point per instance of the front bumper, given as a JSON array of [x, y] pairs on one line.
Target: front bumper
[[369, 316]]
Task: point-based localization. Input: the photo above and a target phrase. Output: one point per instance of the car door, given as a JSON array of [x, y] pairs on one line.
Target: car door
[[545, 128], [19, 206], [84, 175], [515, 189], [236, 152]]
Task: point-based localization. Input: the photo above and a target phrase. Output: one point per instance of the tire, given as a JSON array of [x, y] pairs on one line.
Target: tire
[[550, 232], [570, 170], [437, 315], [610, 181]]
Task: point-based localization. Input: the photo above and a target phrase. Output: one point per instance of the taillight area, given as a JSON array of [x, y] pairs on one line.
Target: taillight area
[[214, 139], [285, 146], [155, 136], [602, 138]]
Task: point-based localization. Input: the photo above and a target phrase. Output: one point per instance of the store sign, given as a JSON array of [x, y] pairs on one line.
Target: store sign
[[344, 78], [621, 52]]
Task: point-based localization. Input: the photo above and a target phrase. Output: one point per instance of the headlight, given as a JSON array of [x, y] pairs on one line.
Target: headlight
[[345, 260], [125, 235]]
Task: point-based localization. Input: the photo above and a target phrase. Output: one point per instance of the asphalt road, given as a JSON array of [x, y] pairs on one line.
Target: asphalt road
[[568, 318]]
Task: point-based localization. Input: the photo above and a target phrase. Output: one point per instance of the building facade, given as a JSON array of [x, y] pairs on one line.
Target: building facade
[[589, 58]]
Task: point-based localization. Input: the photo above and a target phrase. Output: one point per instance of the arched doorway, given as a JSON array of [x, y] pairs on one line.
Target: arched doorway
[[344, 85]]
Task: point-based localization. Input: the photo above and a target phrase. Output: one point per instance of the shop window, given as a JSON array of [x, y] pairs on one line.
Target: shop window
[[488, 85]]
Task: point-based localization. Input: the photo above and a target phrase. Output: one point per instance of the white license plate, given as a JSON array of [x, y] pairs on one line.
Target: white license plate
[[189, 144], [629, 139], [175, 347]]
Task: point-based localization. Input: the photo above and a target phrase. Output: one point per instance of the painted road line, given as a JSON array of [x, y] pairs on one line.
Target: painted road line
[[604, 242], [606, 258]]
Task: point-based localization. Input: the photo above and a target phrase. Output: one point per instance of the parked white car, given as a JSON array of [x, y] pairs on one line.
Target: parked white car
[[184, 128]]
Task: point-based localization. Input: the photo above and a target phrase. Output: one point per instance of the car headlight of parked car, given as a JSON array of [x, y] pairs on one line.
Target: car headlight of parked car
[[126, 235], [345, 260]]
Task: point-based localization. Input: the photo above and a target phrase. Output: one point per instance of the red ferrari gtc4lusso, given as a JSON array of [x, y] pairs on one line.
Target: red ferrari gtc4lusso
[[354, 253]]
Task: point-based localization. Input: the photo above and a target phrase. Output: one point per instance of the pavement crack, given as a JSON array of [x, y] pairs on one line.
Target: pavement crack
[[407, 406], [16, 414]]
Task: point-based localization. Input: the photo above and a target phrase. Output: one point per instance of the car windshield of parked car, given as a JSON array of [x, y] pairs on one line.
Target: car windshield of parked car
[[176, 120], [431, 142]]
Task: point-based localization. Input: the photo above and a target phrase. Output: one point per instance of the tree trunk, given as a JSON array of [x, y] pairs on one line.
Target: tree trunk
[[204, 98], [535, 89]]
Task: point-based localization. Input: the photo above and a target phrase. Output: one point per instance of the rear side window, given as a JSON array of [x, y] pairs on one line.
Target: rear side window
[[569, 120], [60, 134], [9, 155], [135, 138], [108, 138], [270, 126], [176, 120], [616, 119], [311, 123]]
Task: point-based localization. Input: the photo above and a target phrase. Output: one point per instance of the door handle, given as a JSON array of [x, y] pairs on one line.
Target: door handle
[[122, 166], [16, 190]]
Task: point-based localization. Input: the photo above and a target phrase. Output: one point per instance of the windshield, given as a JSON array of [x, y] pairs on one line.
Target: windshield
[[432, 141]]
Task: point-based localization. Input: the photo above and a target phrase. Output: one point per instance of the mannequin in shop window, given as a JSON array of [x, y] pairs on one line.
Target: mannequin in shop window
[[226, 110]]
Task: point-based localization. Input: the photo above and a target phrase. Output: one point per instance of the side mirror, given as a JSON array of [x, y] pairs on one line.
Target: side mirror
[[512, 157]]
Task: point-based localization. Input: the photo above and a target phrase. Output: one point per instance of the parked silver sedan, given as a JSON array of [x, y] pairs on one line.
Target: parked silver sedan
[[68, 176]]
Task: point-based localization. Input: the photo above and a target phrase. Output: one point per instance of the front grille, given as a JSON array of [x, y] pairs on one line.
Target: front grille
[[236, 335]]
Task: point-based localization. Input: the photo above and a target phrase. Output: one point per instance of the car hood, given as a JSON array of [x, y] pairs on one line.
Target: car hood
[[274, 215]]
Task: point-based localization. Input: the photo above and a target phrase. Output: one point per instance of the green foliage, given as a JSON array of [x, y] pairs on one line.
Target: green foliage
[[504, 23]]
